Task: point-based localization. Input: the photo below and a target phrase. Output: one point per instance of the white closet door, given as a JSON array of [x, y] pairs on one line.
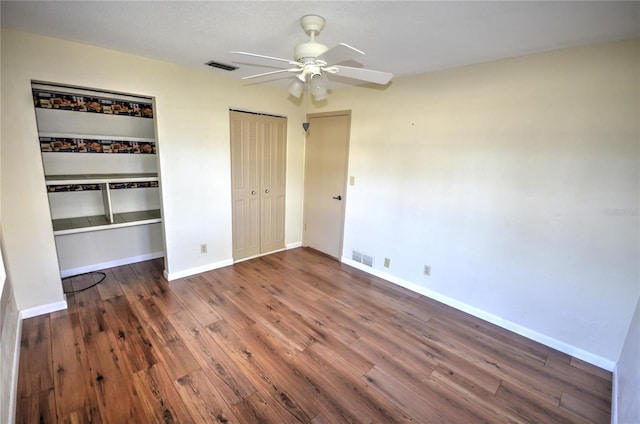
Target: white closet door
[[258, 169], [274, 144], [245, 187]]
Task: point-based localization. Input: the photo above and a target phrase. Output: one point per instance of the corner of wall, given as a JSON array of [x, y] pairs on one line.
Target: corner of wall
[[614, 396], [10, 333], [14, 380], [625, 407], [170, 276]]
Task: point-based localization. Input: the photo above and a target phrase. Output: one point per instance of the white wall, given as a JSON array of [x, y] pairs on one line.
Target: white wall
[[193, 144], [517, 181], [628, 375]]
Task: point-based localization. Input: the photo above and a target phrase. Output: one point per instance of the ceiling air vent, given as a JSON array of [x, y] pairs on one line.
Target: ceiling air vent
[[219, 65]]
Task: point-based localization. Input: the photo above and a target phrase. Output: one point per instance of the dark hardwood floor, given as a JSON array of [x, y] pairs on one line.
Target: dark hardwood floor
[[287, 338]]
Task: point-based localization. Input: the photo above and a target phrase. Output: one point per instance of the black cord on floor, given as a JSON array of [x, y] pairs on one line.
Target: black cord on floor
[[72, 292]]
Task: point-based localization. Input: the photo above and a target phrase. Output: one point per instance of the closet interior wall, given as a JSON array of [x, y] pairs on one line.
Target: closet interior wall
[[101, 174]]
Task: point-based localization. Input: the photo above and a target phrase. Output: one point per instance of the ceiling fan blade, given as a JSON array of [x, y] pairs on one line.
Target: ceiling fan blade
[[368, 75], [271, 73], [261, 56], [340, 53]]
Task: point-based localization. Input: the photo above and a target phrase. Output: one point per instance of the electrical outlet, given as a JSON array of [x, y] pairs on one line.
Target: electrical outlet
[[427, 270], [387, 262], [203, 248]]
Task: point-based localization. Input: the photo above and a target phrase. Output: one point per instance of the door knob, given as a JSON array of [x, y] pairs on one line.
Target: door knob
[[337, 197], [253, 192], [266, 190]]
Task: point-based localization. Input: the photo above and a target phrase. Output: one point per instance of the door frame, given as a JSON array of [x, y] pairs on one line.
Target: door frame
[[345, 176]]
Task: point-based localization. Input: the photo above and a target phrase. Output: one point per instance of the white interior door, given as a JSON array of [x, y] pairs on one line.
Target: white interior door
[[326, 160]]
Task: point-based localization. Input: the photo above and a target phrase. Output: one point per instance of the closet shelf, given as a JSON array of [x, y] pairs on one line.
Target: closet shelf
[[99, 178], [101, 222]]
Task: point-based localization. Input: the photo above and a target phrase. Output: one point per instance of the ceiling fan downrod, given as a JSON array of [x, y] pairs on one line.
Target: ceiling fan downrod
[[312, 26]]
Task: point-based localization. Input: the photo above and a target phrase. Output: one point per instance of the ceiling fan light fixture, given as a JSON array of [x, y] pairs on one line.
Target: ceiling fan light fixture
[[318, 87], [313, 61], [296, 87]]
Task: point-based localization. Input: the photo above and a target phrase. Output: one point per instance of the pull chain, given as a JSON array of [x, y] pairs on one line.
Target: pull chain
[[305, 125]]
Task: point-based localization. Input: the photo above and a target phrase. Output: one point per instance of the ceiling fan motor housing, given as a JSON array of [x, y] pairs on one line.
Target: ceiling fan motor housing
[[308, 50]]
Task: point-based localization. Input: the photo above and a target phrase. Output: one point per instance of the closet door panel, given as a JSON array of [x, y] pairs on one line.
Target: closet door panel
[[246, 240], [245, 186], [273, 183]]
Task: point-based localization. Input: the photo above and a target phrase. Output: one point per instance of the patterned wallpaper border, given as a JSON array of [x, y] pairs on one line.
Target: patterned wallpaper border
[[83, 145], [93, 187], [53, 100]]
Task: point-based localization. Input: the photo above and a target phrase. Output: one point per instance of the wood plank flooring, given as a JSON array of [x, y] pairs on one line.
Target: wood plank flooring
[[293, 337]]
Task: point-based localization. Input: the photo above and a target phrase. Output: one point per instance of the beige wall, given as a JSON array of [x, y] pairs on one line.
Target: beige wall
[[517, 181], [193, 142], [10, 326]]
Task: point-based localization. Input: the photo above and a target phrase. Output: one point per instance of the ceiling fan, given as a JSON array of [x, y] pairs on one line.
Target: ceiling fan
[[313, 60]]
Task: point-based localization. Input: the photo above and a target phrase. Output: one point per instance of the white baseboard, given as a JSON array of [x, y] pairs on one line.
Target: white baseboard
[[43, 309], [259, 255], [170, 276], [486, 316], [104, 265], [13, 397]]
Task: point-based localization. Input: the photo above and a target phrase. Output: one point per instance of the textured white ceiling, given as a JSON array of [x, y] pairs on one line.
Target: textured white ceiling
[[404, 38]]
